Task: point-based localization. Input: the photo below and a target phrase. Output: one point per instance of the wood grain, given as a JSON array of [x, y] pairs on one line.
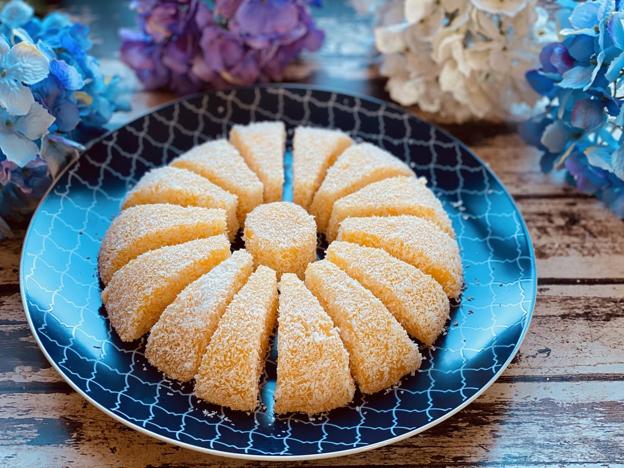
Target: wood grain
[[61, 427]]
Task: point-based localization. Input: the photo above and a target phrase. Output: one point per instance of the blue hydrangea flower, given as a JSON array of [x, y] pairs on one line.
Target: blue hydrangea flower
[[52, 92], [580, 77]]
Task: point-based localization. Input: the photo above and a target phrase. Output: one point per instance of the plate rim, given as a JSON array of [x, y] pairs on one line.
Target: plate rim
[[318, 456]]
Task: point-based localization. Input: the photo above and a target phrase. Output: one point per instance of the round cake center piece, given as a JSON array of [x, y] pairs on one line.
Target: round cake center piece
[[282, 236]]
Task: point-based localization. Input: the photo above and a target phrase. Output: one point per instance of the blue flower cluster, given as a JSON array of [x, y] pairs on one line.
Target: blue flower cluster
[[50, 90], [582, 80]]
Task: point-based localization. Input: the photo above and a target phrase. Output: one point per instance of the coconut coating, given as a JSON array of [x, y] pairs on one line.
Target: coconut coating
[[314, 151], [313, 373], [219, 162], [185, 188], [414, 240], [357, 167], [230, 371], [379, 349], [415, 299], [141, 290], [146, 227], [391, 197], [282, 236], [262, 145], [178, 341]]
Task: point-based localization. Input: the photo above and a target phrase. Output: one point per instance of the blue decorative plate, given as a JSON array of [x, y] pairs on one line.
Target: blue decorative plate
[[61, 292]]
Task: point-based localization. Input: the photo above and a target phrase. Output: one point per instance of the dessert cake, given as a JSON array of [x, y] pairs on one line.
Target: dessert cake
[[353, 319], [281, 235], [357, 167], [220, 163], [262, 145], [185, 188], [314, 151], [142, 228], [312, 363], [234, 360]]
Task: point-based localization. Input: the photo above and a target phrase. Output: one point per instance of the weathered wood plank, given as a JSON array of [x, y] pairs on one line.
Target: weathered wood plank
[[575, 238], [512, 423], [9, 257], [517, 165], [575, 330]]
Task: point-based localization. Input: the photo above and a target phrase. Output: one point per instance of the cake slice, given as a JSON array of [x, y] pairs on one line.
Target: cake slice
[[139, 292], [379, 348], [262, 145], [414, 240], [178, 340], [230, 370], [219, 162], [314, 151], [146, 227], [185, 188], [312, 363], [281, 235], [415, 299], [390, 197], [357, 167]]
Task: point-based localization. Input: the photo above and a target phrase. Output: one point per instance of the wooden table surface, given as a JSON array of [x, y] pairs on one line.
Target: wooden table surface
[[560, 402]]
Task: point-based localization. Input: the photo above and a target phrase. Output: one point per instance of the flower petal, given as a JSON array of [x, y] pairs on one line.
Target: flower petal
[[36, 123], [615, 67], [588, 114], [15, 97], [16, 13], [27, 63], [58, 151], [416, 10], [600, 157], [69, 77], [4, 47], [585, 15], [577, 77], [539, 82], [555, 137], [617, 163], [17, 148]]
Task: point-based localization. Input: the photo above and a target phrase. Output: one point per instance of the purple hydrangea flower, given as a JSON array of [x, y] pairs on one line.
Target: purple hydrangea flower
[[186, 45]]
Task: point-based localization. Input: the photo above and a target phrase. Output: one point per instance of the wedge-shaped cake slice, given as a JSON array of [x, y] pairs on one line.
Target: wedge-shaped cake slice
[[391, 197], [185, 188], [415, 299], [314, 151], [219, 162], [262, 145], [379, 348], [178, 340], [146, 227], [140, 291], [313, 373], [230, 371], [414, 240], [357, 167]]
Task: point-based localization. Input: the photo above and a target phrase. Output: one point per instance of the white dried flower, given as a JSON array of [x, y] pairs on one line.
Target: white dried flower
[[460, 59]]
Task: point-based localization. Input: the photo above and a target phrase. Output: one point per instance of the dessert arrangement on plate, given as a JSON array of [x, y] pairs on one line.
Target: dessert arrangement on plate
[[354, 318]]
